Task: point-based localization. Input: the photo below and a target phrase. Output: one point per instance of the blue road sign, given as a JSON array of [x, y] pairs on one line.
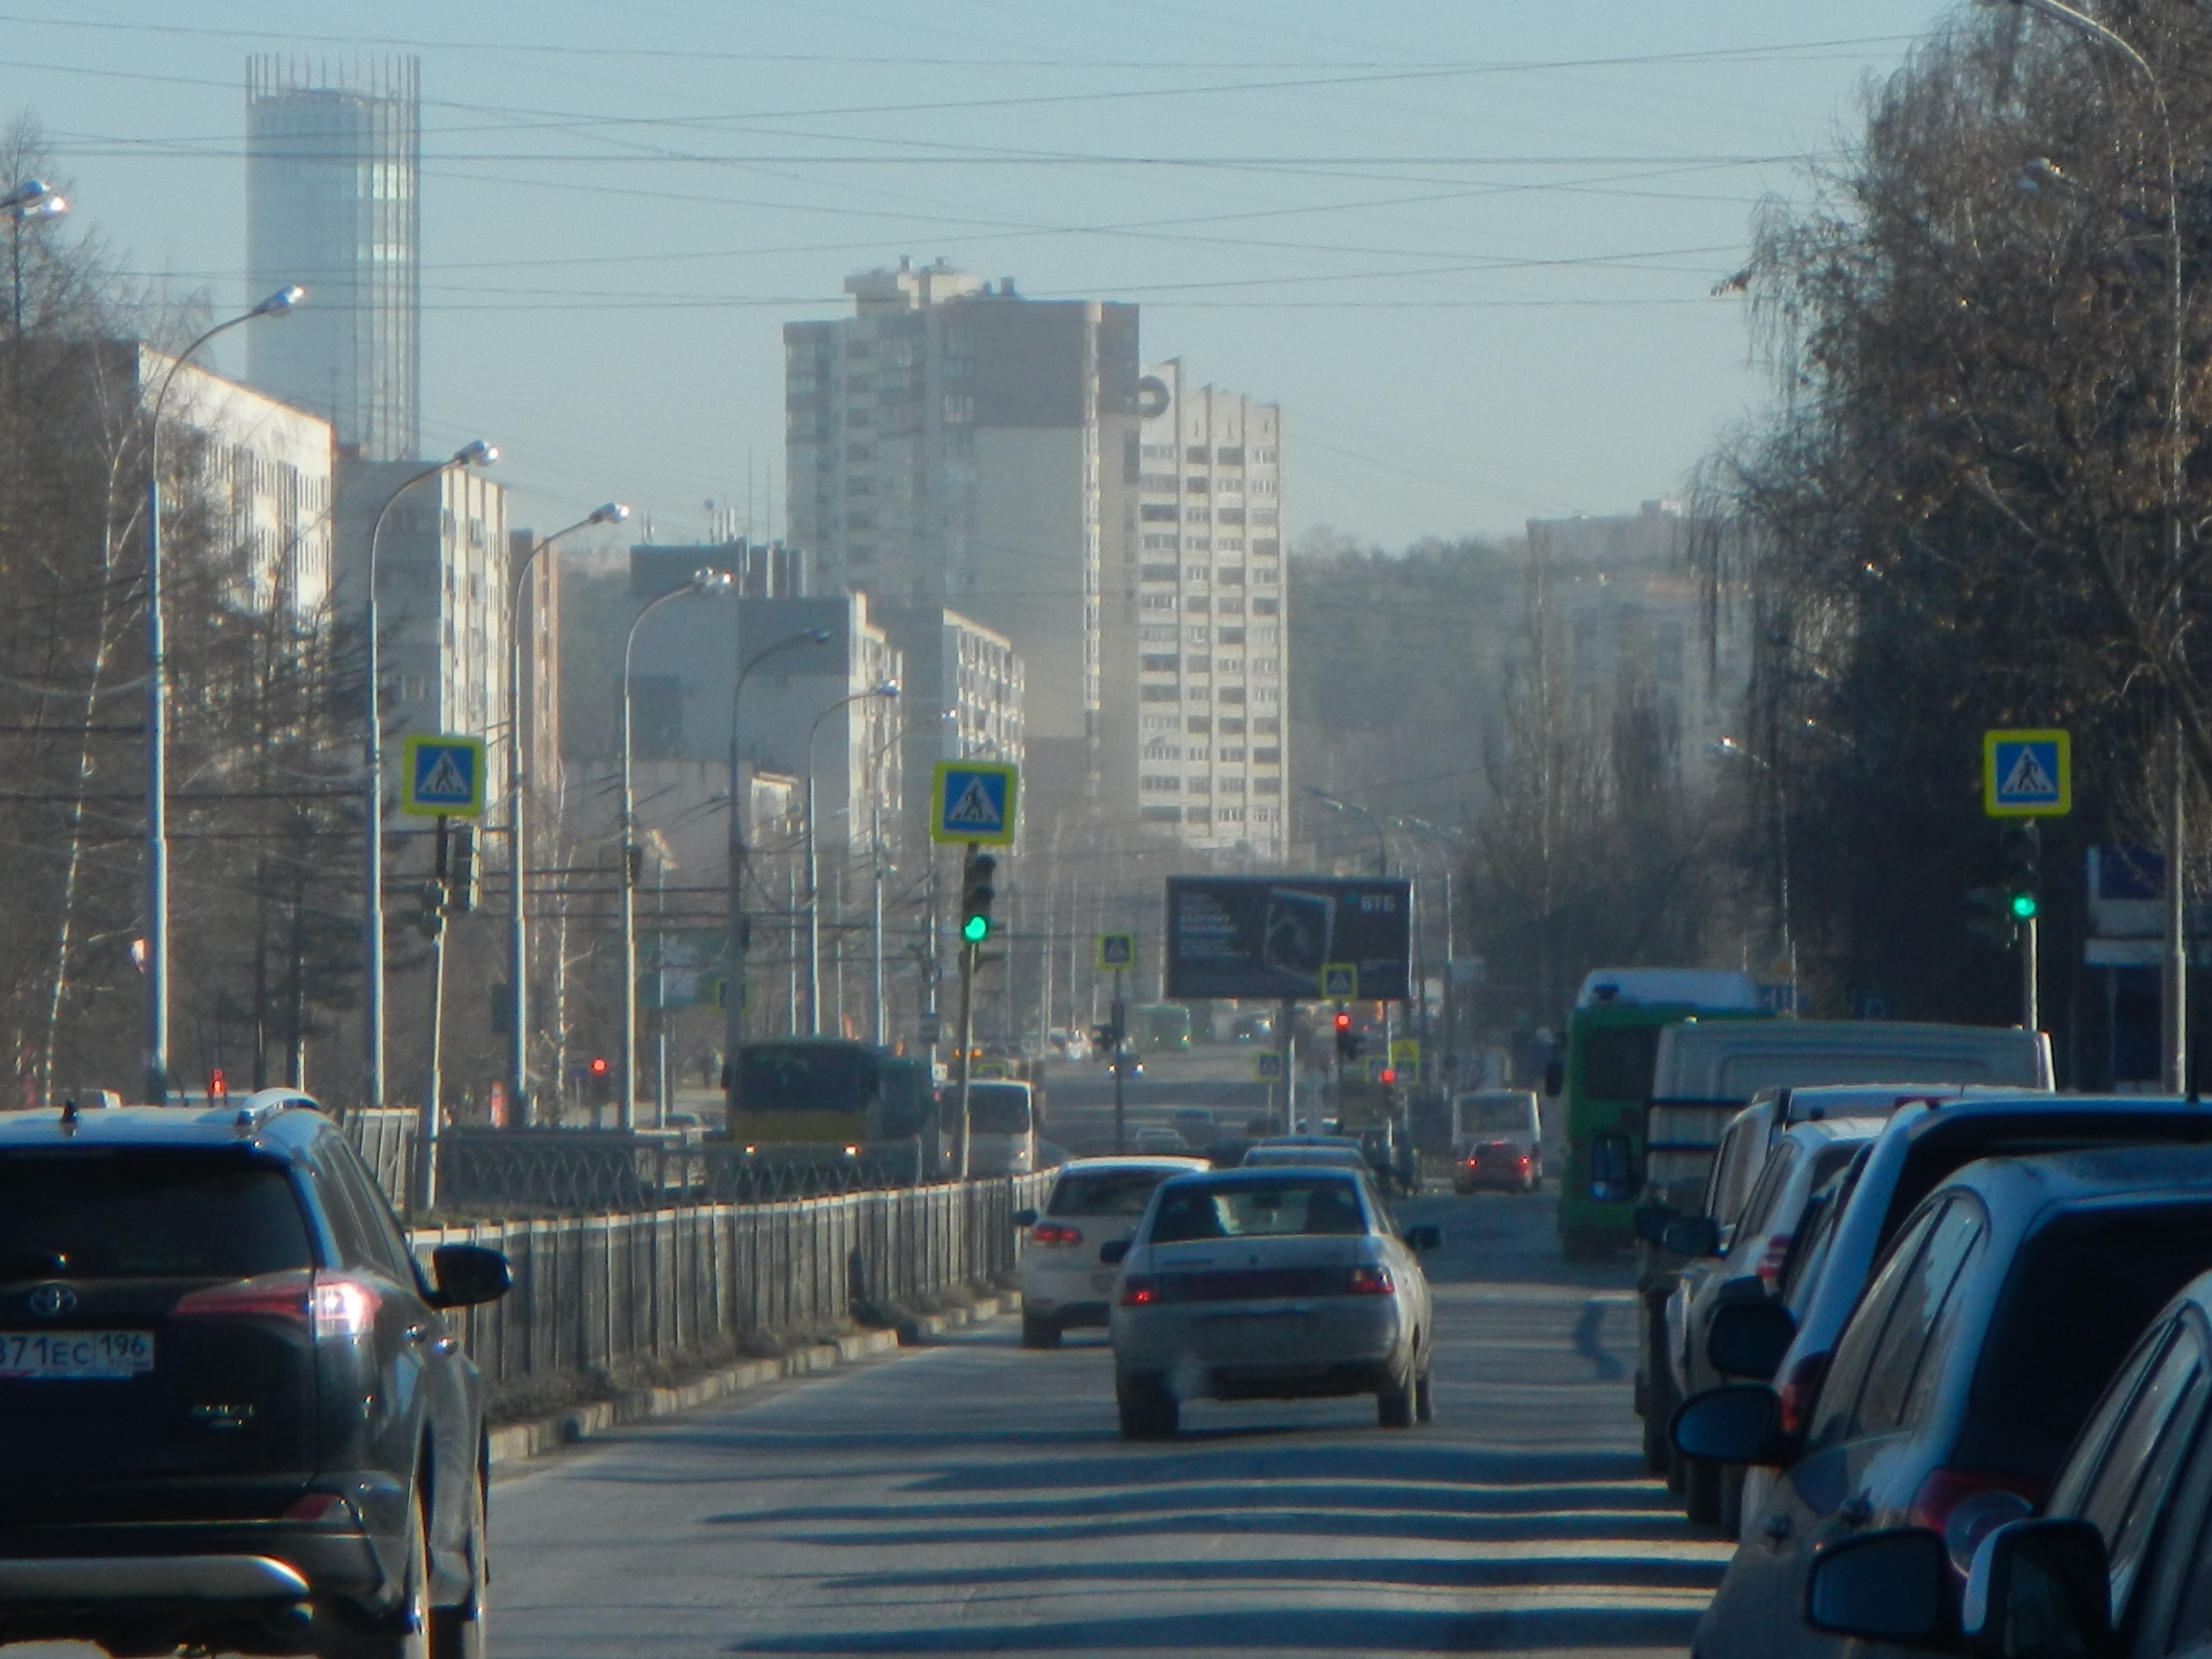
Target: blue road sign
[[974, 801], [443, 776], [2027, 774]]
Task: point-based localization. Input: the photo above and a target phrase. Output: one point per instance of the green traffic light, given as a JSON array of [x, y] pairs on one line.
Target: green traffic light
[[976, 929], [2023, 907]]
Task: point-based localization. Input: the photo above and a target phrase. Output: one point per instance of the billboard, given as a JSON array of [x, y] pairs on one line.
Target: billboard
[[1260, 936]]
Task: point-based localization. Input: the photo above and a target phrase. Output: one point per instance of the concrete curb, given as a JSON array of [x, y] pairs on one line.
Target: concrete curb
[[518, 1441]]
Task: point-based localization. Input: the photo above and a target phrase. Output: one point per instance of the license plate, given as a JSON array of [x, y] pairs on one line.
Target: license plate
[[49, 1355]]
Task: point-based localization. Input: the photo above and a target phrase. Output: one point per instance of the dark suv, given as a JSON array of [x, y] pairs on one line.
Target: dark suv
[[232, 1412]]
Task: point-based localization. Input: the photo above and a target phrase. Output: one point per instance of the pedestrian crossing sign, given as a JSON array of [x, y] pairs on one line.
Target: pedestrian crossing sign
[[1268, 1066], [2027, 774], [443, 777], [1117, 953], [974, 801]]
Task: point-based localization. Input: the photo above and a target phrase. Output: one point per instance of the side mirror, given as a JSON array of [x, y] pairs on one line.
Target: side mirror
[[2041, 1587], [1740, 1423], [1424, 1238], [1749, 1339], [468, 1274], [1651, 1222], [1112, 1252], [1555, 1078], [1692, 1234], [1891, 1586], [1023, 1218]]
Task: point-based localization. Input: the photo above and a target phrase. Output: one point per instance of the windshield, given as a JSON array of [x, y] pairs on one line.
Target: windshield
[[803, 1077], [99, 1213], [997, 1108], [1247, 1209], [1618, 1062], [1515, 1114], [1106, 1192]]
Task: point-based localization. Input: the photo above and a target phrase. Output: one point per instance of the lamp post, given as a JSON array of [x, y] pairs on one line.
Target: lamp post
[[478, 454], [1382, 836], [518, 784], [703, 584], [2173, 1036], [739, 940], [1730, 747], [157, 704], [29, 203], [888, 689]]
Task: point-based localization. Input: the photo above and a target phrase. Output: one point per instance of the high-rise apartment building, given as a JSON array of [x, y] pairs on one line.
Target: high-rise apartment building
[[1211, 644], [331, 203], [953, 445]]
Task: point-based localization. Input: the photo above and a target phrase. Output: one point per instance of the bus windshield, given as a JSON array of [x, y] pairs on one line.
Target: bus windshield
[[805, 1077], [1506, 1115], [997, 1108]]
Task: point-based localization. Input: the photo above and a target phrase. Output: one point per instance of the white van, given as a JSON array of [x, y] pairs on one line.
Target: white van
[[1497, 1140], [1001, 1129]]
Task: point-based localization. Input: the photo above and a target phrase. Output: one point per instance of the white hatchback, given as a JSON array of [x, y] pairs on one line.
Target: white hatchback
[[1096, 1201]]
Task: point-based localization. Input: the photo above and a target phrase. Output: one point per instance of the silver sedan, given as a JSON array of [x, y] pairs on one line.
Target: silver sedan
[[1269, 1283]]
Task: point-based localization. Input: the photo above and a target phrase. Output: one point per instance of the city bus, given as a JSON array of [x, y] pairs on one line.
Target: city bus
[[808, 1094], [1158, 1027], [1613, 1043]]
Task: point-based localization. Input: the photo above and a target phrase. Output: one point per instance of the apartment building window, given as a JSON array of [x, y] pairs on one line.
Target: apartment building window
[[1228, 455], [1233, 694], [1156, 573], [1195, 602], [1263, 814], [1159, 780], [1199, 723], [1263, 458], [1198, 751], [1200, 784], [1156, 694], [1150, 514], [1193, 573], [1157, 602], [1265, 516], [413, 688], [1157, 751], [1157, 634], [1158, 544], [1230, 606], [1159, 452], [1199, 814], [1194, 486], [859, 452], [1266, 786], [1231, 757], [1197, 544], [1264, 666], [1163, 483], [1230, 814], [1198, 694], [1267, 548], [1198, 664], [1267, 726], [1231, 574], [1265, 635], [1157, 723], [1193, 515], [1267, 758], [1233, 726], [1265, 607], [1231, 636], [1231, 515], [1231, 664], [1263, 486], [1266, 693], [1195, 454], [1163, 814], [1232, 545], [1158, 662]]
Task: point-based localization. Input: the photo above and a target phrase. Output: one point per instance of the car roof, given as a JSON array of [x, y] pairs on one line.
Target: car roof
[[275, 1119], [1124, 1161], [2036, 1182], [1820, 1130], [1252, 1176], [1309, 1141], [1809, 1100]]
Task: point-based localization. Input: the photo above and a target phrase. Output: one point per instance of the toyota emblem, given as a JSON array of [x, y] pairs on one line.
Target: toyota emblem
[[52, 1301]]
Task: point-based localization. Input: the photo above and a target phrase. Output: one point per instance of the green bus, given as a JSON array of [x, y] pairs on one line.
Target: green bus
[[1612, 1042], [1159, 1027]]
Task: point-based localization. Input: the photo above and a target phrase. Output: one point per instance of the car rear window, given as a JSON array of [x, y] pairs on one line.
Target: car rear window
[[1249, 1209], [1107, 1192], [2079, 1295], [997, 1108], [101, 1213]]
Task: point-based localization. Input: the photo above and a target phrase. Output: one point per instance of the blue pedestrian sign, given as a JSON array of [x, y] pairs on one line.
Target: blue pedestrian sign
[[2027, 774], [974, 801], [443, 776]]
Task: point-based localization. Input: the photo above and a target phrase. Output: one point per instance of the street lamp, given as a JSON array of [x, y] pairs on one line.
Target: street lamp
[[1730, 747], [888, 689], [1382, 836], [157, 704], [737, 942], [704, 584], [29, 203], [2174, 1044], [478, 454], [518, 781]]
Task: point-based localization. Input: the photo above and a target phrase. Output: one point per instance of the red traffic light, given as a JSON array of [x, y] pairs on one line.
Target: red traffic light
[[598, 1065], [1344, 1022], [1389, 1074], [217, 1087]]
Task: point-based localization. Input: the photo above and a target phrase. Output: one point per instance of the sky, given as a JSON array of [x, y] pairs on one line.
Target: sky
[[1469, 245]]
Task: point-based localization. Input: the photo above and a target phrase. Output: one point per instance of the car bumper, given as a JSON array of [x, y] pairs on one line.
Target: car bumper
[[1052, 1289], [191, 1567], [1228, 1351]]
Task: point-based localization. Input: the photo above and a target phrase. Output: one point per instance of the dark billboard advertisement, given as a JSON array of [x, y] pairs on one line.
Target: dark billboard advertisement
[[1259, 936]]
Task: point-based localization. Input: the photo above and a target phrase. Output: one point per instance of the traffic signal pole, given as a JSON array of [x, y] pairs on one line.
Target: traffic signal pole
[[1120, 1018], [968, 948], [2030, 1009]]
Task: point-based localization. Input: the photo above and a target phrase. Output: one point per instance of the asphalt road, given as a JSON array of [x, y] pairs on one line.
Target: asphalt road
[[975, 1498]]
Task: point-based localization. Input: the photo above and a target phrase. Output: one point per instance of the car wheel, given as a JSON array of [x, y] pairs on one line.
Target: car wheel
[[457, 1632], [1394, 1405], [403, 1634], [1148, 1410], [1039, 1333], [1701, 1491]]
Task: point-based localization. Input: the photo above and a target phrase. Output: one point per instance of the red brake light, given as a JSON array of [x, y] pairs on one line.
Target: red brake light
[[318, 1506], [1777, 1253], [1799, 1389], [1524, 1163], [1139, 1292], [1967, 1505], [330, 1305], [1055, 1232], [1370, 1281]]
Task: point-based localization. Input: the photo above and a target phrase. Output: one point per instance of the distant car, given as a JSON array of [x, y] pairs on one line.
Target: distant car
[[238, 1418], [1497, 1140], [1096, 1201], [1269, 1283], [2005, 1305], [1129, 1063], [1195, 1123], [1227, 1152], [1253, 1027], [2118, 1547], [1156, 1138], [1305, 1155]]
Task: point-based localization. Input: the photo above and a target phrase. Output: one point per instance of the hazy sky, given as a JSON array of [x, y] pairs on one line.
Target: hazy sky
[[1467, 244]]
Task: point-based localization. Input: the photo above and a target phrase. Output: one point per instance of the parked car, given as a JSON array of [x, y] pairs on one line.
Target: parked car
[[1497, 1140], [1227, 1152], [1095, 1202], [1269, 1283], [1308, 1152], [1195, 1124], [1743, 1262], [2116, 1564], [2010, 1299], [238, 1417], [1158, 1138]]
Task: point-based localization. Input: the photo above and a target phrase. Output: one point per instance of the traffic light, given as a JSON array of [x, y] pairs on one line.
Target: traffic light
[[976, 893], [2023, 849], [602, 1076], [1990, 915], [218, 1086], [1347, 1040], [461, 870]]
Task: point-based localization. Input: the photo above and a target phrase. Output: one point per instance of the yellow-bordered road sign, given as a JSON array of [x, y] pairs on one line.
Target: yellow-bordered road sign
[[1116, 952], [442, 777], [1339, 982], [2027, 774], [975, 801]]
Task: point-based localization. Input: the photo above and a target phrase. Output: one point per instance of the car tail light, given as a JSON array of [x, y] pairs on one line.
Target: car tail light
[[1139, 1292], [1473, 1162], [1524, 1163], [1799, 1389], [1055, 1232], [317, 1507], [1770, 1260], [330, 1305], [1370, 1281], [1967, 1505]]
